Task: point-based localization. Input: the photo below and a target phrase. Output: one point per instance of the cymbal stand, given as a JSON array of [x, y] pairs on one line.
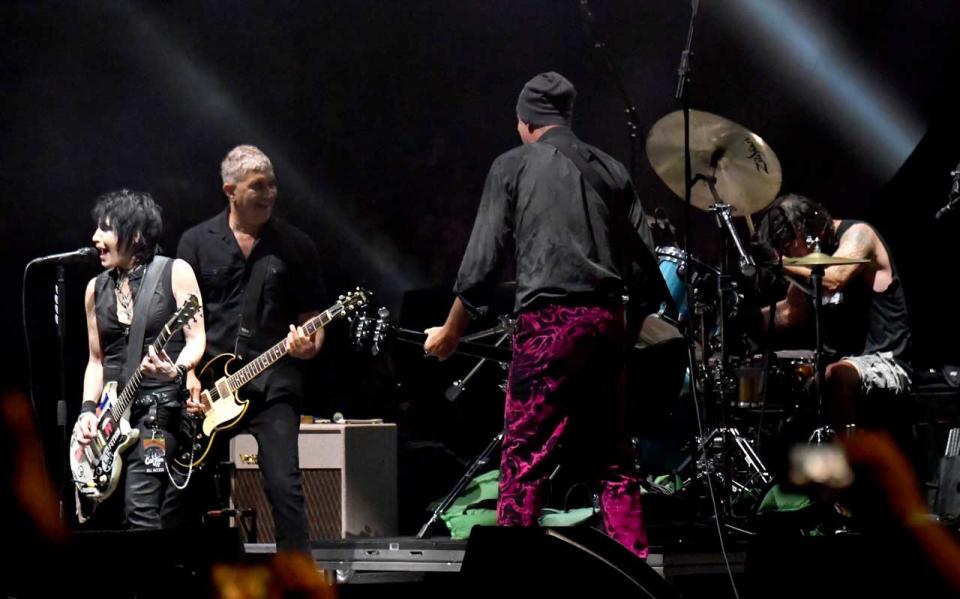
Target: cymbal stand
[[823, 432], [724, 438]]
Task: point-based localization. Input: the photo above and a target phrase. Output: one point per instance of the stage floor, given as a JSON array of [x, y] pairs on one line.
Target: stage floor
[[399, 559]]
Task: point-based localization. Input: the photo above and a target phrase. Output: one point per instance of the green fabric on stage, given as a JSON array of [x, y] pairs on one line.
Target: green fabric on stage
[[477, 506]]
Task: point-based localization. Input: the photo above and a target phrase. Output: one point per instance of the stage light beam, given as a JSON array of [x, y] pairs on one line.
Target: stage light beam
[[883, 129]]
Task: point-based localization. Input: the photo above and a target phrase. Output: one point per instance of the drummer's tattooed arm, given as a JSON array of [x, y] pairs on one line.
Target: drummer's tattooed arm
[[859, 241], [790, 311]]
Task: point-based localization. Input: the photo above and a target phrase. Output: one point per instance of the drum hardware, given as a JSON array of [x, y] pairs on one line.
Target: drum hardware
[[722, 212], [745, 170], [818, 262], [723, 168], [712, 458]]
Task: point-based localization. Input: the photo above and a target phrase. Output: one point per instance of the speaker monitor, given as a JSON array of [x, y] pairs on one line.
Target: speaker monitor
[[557, 562], [142, 563], [349, 481]]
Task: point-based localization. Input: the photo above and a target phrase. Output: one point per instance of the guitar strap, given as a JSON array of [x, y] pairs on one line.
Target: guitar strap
[[568, 146], [251, 302], [637, 245], [141, 308]]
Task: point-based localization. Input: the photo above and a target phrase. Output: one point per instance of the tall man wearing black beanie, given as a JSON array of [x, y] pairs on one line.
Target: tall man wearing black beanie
[[569, 213]]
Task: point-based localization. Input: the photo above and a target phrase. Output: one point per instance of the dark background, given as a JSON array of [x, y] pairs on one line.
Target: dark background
[[382, 119]]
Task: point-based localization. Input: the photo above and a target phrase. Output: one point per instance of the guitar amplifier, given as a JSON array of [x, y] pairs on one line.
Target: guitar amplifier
[[349, 481]]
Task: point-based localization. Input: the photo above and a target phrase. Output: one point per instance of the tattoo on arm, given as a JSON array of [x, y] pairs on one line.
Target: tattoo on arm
[[859, 243]]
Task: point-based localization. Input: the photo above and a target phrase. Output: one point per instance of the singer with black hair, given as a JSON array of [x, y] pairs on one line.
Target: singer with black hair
[[864, 312], [128, 230]]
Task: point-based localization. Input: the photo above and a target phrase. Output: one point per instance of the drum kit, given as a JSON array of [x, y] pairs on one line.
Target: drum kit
[[734, 173]]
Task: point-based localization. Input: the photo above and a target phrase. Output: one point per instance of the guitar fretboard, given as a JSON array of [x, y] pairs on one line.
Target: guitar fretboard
[[132, 387], [269, 357]]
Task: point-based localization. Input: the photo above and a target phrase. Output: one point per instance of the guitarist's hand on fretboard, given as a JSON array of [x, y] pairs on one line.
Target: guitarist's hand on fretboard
[[301, 345], [158, 366]]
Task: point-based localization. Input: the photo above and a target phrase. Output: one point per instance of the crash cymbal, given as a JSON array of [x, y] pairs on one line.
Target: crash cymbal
[[819, 259], [747, 171]]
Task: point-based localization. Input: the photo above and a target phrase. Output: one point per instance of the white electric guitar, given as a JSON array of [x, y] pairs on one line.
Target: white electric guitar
[[97, 465]]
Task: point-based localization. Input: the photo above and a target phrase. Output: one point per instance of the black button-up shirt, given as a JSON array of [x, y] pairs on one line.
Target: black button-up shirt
[[292, 286], [564, 235]]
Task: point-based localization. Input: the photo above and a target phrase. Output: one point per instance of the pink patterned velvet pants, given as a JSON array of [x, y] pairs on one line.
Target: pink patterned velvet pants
[[565, 405]]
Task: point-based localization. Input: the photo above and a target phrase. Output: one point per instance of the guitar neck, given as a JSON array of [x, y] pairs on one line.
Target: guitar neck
[[467, 348], [132, 387], [269, 357]]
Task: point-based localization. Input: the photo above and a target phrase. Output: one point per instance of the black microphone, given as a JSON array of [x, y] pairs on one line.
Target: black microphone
[[454, 390], [954, 195], [80, 255], [948, 208]]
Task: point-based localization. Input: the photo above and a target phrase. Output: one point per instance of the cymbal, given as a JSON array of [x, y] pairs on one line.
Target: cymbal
[[747, 171], [819, 259]]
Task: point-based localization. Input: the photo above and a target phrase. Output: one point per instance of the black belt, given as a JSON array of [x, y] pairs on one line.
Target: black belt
[[161, 398]]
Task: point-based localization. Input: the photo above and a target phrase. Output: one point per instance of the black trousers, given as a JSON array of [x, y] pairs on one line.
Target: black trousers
[[151, 501], [276, 427]]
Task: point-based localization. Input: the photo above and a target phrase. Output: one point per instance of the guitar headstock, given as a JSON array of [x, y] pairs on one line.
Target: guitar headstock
[[354, 300], [370, 332], [186, 313]]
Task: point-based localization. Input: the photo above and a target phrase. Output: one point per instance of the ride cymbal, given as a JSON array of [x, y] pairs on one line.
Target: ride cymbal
[[747, 172]]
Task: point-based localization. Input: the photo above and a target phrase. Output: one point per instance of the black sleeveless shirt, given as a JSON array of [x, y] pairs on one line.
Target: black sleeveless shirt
[[868, 322], [113, 334]]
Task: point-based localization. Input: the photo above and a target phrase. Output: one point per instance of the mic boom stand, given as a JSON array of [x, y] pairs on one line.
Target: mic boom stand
[[505, 327], [505, 330], [458, 488]]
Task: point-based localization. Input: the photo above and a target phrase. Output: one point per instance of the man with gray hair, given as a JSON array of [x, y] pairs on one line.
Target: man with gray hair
[[258, 275]]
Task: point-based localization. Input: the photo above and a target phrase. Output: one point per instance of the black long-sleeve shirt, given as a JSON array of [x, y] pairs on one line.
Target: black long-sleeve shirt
[[568, 243]]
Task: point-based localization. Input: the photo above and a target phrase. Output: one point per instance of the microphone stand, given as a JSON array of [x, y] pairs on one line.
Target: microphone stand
[[478, 462], [633, 120], [505, 330], [954, 197], [682, 95], [459, 386], [59, 317]]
